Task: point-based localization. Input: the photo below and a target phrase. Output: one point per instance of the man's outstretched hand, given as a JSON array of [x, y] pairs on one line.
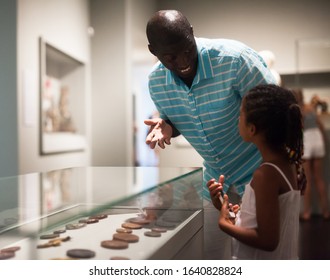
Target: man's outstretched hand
[[159, 132]]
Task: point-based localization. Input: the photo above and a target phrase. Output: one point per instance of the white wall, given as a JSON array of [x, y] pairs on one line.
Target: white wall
[[140, 12], [261, 24], [111, 105], [63, 24]]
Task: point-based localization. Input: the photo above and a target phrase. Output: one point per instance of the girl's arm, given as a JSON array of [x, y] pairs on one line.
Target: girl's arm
[[322, 128], [266, 235]]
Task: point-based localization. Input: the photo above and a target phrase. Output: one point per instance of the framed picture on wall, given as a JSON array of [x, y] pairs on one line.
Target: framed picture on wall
[[62, 101]]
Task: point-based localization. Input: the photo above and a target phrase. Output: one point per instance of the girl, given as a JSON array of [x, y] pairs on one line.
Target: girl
[[314, 154], [267, 223]]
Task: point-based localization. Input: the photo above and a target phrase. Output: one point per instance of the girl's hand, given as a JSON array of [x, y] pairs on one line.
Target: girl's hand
[[235, 208], [228, 212], [215, 189]]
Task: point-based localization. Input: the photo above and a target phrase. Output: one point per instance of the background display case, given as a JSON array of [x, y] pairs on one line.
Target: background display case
[[74, 213]]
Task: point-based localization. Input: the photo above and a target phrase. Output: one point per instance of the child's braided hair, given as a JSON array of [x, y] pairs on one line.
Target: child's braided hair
[[275, 112]]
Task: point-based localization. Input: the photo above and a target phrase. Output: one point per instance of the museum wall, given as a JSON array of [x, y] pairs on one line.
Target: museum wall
[[119, 44], [63, 24], [111, 106], [8, 97], [274, 25]]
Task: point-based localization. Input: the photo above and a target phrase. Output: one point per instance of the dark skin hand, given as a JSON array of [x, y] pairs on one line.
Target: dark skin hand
[[159, 133], [215, 189]]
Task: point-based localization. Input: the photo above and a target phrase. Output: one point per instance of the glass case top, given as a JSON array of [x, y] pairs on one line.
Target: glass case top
[[41, 200]]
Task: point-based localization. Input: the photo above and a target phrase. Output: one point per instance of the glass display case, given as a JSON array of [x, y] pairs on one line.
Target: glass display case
[[102, 213]]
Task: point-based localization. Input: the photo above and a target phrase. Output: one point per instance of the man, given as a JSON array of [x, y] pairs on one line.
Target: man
[[197, 87]]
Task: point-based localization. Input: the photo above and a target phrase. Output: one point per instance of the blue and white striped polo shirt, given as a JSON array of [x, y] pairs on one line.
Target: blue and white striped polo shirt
[[207, 113]]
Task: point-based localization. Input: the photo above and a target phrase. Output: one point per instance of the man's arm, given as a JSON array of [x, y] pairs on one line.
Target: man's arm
[[175, 132]]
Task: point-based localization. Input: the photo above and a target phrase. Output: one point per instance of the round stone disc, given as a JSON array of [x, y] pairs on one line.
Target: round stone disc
[[124, 230], [131, 226], [49, 236], [80, 253], [75, 226], [114, 244], [99, 216], [59, 231], [139, 221], [10, 249], [119, 258], [127, 237], [152, 234], [89, 221]]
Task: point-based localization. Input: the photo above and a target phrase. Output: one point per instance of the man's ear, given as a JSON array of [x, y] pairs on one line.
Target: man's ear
[[252, 129], [151, 49]]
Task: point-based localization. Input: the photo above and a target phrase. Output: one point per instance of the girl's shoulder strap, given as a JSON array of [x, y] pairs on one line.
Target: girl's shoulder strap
[[281, 172]]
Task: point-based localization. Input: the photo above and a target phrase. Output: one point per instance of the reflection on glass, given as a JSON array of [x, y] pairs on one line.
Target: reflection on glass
[[55, 187], [9, 214], [35, 199]]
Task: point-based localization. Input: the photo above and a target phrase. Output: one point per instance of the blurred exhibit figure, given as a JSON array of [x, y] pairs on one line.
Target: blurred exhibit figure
[[314, 152], [269, 58]]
